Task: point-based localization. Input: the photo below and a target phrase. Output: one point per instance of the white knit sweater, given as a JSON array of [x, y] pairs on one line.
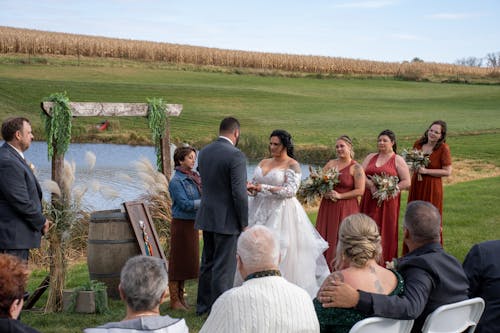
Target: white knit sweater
[[267, 304]]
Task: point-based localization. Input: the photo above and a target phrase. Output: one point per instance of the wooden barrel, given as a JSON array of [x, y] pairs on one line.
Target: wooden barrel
[[111, 243]]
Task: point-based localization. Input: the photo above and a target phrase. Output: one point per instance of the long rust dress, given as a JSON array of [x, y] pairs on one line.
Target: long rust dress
[[431, 188], [331, 213], [387, 215]]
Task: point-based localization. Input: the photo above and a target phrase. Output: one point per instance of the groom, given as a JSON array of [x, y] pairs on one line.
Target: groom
[[223, 212]]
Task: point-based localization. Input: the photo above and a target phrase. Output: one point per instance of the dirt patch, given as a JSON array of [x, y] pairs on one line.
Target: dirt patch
[[467, 170]]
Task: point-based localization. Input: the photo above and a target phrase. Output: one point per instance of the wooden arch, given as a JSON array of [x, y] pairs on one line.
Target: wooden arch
[[92, 109]]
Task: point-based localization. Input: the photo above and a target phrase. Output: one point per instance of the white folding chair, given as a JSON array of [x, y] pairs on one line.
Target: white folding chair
[[455, 317], [382, 325]]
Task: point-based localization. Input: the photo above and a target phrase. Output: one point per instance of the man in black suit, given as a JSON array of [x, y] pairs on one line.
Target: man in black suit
[[432, 277], [21, 220], [223, 212], [482, 267]]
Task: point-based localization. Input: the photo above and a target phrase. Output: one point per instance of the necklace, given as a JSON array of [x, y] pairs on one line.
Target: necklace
[[271, 272]]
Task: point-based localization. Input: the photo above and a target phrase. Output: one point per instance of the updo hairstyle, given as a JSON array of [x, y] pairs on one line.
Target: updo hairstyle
[[286, 141], [347, 140], [359, 241]]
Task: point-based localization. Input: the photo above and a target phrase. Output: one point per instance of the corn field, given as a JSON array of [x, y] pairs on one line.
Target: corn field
[[34, 42]]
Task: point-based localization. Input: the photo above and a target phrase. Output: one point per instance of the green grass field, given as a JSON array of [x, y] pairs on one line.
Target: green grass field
[[470, 216], [314, 110]]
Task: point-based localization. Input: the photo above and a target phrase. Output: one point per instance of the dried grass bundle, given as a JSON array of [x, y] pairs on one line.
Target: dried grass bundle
[[157, 198]]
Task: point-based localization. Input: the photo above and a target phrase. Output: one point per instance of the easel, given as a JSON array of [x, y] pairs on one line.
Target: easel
[[92, 109]]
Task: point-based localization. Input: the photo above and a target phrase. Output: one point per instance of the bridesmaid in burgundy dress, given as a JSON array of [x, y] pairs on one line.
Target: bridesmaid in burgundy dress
[[430, 188], [387, 215], [343, 200]]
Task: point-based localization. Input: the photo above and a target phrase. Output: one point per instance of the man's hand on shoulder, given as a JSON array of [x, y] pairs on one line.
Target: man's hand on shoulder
[[335, 293]]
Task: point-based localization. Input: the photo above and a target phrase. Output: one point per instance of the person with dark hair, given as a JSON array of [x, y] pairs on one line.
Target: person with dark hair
[[13, 278], [223, 212], [343, 200], [483, 270], [432, 277], [143, 287], [386, 214], [22, 222], [358, 251], [273, 204], [430, 187], [185, 192]]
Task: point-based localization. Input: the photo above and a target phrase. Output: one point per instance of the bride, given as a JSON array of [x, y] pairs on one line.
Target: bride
[[273, 203]]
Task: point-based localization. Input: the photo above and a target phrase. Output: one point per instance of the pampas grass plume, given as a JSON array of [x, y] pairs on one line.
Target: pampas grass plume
[[90, 158], [52, 187]]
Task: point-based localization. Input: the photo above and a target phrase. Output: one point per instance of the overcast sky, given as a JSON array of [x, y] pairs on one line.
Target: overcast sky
[[386, 30]]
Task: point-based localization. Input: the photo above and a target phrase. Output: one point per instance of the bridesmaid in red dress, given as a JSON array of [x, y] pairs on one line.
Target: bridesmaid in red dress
[[430, 188], [343, 200], [387, 215]]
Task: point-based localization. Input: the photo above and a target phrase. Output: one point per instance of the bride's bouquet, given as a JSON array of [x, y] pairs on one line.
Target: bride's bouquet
[[416, 158], [387, 187], [317, 184]]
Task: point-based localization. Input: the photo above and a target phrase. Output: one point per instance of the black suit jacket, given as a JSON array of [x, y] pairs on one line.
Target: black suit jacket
[[482, 266], [224, 200], [21, 218], [432, 278]]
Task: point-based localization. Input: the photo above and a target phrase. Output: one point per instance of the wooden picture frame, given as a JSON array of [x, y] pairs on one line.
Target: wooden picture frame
[[145, 232]]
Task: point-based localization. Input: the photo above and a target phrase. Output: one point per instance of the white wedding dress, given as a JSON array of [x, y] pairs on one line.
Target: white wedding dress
[[301, 246]]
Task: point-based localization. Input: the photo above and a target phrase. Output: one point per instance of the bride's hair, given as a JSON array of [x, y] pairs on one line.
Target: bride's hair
[[286, 141], [359, 241]]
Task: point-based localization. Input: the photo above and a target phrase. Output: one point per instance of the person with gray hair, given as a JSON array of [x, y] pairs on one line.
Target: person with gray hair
[[266, 302], [143, 287], [432, 276]]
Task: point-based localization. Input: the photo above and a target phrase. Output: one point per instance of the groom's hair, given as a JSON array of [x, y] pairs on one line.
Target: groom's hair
[[228, 125], [258, 249]]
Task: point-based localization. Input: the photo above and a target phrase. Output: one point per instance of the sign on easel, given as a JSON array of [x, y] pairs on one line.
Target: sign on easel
[[145, 232]]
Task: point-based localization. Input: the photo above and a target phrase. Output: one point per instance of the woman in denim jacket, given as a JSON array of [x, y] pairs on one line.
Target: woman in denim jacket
[[185, 191]]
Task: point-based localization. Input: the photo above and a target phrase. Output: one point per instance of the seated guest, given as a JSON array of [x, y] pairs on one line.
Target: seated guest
[[357, 254], [13, 277], [432, 276], [266, 302], [483, 270], [143, 287]]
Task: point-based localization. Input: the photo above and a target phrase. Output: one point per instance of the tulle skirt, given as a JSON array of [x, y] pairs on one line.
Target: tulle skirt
[[301, 246]]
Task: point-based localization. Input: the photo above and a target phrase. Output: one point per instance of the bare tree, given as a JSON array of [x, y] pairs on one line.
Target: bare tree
[[470, 61], [493, 59]]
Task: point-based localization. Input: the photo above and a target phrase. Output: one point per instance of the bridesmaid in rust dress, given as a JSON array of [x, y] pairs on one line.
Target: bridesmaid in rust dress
[[387, 215], [430, 188], [343, 200]]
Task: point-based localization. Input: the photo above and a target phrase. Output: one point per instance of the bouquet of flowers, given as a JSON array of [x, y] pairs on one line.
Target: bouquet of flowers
[[387, 187], [317, 184], [415, 159]]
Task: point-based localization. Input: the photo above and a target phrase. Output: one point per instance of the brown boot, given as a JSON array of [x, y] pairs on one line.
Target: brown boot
[[175, 303], [181, 295]]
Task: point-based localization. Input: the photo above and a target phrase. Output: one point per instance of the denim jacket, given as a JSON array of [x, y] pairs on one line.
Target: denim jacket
[[185, 196]]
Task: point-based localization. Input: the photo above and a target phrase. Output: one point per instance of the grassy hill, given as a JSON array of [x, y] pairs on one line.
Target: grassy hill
[[315, 111]]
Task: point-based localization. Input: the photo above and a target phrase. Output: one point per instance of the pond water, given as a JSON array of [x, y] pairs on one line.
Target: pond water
[[113, 169]]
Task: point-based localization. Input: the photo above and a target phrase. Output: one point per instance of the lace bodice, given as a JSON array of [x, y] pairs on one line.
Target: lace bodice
[[287, 180]]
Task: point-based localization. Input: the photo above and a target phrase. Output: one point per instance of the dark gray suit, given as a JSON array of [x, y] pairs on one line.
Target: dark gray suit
[[222, 215], [482, 267], [432, 278], [21, 218]]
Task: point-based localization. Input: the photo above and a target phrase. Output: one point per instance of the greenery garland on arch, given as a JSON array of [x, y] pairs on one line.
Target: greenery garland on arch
[[58, 125], [157, 121]]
